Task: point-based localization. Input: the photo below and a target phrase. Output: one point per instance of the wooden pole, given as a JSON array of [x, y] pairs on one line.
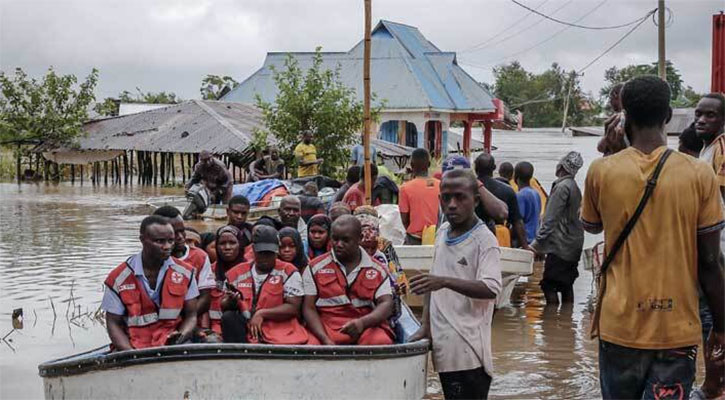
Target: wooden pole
[[173, 168], [72, 174], [183, 171], [366, 104], [661, 67], [81, 174], [155, 168], [125, 167], [105, 173]]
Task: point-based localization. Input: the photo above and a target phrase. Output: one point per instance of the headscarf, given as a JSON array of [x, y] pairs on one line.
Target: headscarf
[[370, 230], [572, 162], [223, 266], [192, 233], [300, 261], [323, 221], [206, 239]]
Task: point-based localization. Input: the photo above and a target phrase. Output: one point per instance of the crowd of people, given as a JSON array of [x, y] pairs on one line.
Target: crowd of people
[[323, 275]]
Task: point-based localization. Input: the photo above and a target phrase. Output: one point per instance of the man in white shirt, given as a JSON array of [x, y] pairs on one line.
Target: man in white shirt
[[460, 292]]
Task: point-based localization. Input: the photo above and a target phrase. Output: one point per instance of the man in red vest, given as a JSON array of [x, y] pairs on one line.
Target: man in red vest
[[348, 298], [150, 299], [193, 257], [265, 304]]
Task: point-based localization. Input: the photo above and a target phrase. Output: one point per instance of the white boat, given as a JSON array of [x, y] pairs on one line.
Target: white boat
[[514, 264], [247, 371]]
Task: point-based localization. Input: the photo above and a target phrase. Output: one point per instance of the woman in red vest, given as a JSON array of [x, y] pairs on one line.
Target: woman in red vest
[[229, 255], [265, 296]]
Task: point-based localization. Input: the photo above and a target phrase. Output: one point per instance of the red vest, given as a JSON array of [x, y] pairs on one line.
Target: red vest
[[149, 325], [336, 302], [270, 295], [195, 258], [215, 304]]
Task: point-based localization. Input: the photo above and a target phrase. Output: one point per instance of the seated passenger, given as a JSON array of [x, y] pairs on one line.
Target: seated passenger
[[263, 305], [291, 249], [348, 298], [318, 235], [229, 254], [138, 316]]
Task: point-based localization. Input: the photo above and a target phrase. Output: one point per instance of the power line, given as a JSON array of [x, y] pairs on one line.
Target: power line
[[523, 30], [574, 24], [634, 28], [502, 31]]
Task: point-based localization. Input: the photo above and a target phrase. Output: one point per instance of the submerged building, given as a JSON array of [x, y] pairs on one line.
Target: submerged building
[[422, 88]]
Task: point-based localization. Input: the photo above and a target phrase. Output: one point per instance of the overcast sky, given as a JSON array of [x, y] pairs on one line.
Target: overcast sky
[[171, 45]]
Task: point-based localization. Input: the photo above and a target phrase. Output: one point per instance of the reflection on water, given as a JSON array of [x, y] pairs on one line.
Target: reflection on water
[[57, 238]]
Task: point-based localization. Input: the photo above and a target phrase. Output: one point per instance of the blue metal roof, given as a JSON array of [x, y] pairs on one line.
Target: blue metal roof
[[407, 71]]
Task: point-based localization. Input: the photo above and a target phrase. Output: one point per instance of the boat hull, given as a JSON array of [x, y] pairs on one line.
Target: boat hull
[[233, 371]]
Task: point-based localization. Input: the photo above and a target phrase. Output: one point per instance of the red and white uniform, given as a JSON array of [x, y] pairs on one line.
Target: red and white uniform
[[343, 297], [199, 260], [148, 324], [261, 292]]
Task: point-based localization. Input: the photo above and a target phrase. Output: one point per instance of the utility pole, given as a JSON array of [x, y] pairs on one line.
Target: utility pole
[[366, 105], [566, 100], [661, 68]]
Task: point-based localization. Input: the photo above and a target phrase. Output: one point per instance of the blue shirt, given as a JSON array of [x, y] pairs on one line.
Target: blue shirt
[[530, 210], [357, 157], [112, 303]]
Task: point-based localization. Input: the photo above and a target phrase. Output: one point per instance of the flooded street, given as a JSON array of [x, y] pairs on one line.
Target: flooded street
[[57, 244]]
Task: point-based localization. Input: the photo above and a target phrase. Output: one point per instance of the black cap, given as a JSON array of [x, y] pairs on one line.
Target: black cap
[[265, 238]]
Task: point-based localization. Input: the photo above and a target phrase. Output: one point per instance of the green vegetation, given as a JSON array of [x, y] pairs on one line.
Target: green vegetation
[[213, 87], [317, 100], [541, 97], [109, 106]]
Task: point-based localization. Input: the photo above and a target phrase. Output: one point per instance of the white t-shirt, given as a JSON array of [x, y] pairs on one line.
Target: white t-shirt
[[311, 289], [292, 286], [461, 326]]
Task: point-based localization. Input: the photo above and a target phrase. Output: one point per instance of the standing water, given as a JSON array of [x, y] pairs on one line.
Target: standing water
[[58, 243]]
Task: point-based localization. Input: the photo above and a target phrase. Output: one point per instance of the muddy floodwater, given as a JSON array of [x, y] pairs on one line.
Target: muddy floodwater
[[58, 242]]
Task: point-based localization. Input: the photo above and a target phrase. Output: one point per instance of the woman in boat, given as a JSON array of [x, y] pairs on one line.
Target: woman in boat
[[291, 249], [318, 235], [265, 297], [229, 254], [208, 244]]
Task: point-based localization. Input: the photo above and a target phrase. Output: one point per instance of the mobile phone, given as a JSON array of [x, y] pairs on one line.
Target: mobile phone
[[232, 288]]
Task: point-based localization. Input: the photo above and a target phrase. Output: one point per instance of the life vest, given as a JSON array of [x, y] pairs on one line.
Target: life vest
[[147, 324], [336, 302], [215, 304], [197, 258], [270, 295]]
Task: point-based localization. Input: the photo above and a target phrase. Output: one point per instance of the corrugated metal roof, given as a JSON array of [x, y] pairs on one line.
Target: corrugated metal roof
[[188, 127], [407, 71]]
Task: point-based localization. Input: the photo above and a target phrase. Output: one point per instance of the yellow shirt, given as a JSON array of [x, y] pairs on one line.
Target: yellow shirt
[[306, 152], [651, 299]]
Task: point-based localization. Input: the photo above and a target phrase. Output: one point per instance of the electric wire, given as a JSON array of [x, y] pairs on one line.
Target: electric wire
[[575, 25]]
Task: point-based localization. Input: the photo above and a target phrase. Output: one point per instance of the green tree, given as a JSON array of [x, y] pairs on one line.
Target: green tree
[[687, 99], [49, 111], [541, 97], [108, 108], [318, 100], [213, 87], [616, 75]]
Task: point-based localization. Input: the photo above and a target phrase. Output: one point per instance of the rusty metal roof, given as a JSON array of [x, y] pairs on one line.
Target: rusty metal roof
[[188, 127]]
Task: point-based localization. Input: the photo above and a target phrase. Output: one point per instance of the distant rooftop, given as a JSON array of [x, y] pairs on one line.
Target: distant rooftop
[[407, 71]]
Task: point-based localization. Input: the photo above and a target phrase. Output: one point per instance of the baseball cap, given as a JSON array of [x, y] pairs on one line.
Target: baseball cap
[[455, 162], [265, 238]]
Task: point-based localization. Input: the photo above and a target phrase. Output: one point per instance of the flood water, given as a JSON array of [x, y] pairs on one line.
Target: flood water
[[58, 242]]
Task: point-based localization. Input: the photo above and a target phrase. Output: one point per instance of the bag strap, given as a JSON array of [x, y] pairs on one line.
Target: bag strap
[[649, 189]]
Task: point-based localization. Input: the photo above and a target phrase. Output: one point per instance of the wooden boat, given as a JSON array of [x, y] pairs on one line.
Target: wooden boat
[[514, 264], [234, 371]]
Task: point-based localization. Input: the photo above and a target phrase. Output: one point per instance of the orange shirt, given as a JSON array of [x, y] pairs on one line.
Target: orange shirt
[[355, 197], [651, 300], [419, 199]]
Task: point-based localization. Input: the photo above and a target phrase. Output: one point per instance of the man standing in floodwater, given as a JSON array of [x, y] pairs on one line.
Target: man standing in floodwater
[[149, 299], [648, 325], [528, 199], [460, 292], [561, 236], [214, 175]]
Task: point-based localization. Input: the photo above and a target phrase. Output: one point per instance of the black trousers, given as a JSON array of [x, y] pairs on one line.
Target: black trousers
[[234, 327], [468, 384]]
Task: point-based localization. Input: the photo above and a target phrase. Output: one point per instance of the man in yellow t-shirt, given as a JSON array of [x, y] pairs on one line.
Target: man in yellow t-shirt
[[306, 156], [649, 327]]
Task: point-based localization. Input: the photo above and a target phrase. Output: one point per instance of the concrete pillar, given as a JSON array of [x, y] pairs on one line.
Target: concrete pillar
[[487, 135]]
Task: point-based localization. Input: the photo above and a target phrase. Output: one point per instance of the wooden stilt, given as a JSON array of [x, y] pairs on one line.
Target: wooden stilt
[[183, 170], [155, 168], [81, 174], [125, 168], [139, 160], [72, 174], [105, 173], [173, 169], [129, 172]]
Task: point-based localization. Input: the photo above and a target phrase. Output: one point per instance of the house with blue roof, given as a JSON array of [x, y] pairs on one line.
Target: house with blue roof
[[423, 88]]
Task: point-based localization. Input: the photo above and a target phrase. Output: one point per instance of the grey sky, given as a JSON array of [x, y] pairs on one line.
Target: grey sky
[[170, 45]]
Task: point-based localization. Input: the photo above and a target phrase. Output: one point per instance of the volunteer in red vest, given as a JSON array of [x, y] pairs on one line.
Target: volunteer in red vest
[[229, 255], [348, 298], [264, 305], [193, 257], [150, 299]]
